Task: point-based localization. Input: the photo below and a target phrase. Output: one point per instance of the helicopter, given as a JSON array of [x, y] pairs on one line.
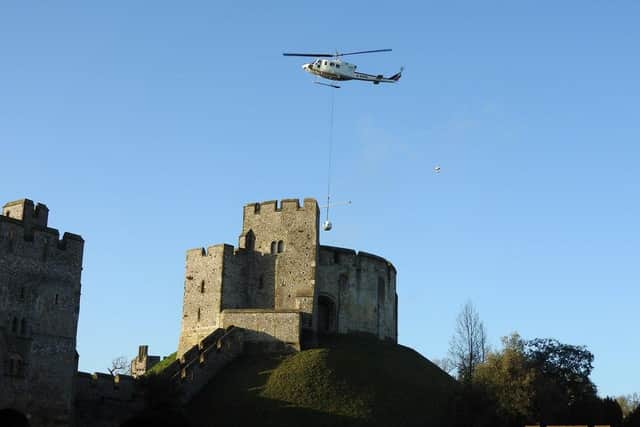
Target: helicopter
[[337, 69]]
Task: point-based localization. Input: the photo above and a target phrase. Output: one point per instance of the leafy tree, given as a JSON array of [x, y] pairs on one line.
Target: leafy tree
[[563, 377], [546, 381], [507, 376], [468, 347]]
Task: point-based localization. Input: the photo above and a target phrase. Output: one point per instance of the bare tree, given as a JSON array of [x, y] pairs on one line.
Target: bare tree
[[446, 364], [120, 366], [628, 403], [468, 346]]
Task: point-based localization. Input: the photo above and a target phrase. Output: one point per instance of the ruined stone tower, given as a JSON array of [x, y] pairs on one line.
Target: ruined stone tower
[[281, 284], [39, 307]]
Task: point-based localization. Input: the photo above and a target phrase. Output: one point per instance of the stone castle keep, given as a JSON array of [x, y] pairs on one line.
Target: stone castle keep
[[277, 291], [281, 283]]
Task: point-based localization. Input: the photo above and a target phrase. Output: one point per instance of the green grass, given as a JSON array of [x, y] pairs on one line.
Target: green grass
[[350, 381], [161, 365]]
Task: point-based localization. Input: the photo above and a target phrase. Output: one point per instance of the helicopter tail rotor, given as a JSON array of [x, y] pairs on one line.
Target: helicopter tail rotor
[[397, 76]]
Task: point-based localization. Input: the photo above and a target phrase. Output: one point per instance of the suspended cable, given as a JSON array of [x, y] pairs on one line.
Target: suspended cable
[[331, 110]]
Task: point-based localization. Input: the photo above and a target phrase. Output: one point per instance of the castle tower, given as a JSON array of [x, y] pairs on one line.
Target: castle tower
[[280, 283], [290, 233], [39, 308], [271, 271], [143, 362]]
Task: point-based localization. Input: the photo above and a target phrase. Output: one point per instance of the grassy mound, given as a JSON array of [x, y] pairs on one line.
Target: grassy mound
[[350, 381]]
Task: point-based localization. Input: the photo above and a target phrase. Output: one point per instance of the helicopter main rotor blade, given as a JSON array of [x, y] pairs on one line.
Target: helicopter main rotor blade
[[315, 55], [364, 51]]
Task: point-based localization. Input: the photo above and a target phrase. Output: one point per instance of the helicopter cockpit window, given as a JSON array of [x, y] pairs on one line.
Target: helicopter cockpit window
[[331, 64], [337, 65], [325, 62]]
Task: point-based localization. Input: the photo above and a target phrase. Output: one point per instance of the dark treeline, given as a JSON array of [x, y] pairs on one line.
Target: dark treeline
[[539, 381]]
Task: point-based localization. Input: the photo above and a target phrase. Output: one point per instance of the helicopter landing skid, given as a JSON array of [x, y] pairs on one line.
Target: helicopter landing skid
[[327, 84]]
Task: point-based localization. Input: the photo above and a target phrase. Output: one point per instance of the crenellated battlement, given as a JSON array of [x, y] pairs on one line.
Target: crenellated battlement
[[15, 228], [195, 367], [109, 399], [336, 255], [98, 386], [24, 232], [209, 251], [25, 211], [272, 206], [224, 248], [197, 370]]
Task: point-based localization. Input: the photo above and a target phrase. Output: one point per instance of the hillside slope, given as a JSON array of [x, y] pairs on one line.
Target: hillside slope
[[350, 381]]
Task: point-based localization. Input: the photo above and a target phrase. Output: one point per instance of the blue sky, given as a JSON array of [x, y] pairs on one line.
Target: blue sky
[[146, 126]]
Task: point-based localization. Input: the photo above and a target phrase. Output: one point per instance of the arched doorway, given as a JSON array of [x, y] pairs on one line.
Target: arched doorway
[[327, 319], [13, 418]]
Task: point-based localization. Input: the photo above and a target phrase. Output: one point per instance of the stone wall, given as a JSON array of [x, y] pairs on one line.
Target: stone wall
[[249, 280], [39, 308], [103, 400], [202, 294], [201, 363], [266, 330], [290, 232], [218, 278], [362, 288]]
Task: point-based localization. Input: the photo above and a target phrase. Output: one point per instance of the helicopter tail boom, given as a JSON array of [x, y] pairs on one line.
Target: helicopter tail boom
[[377, 79]]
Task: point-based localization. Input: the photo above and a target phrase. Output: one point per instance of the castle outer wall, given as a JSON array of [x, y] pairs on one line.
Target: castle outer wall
[[39, 308]]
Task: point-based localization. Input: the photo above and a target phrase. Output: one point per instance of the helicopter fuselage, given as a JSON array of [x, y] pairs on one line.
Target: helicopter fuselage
[[335, 69]]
